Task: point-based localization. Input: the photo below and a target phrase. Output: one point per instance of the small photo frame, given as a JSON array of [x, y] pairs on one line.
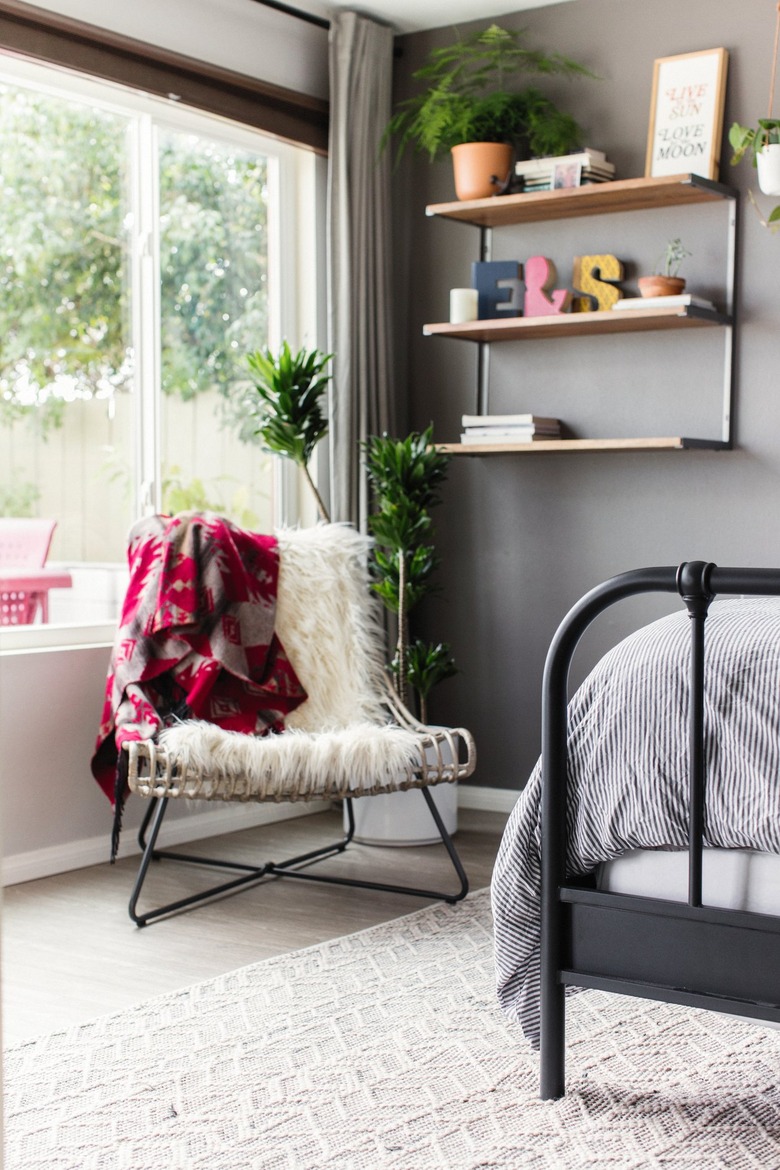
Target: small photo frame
[[686, 114], [566, 174]]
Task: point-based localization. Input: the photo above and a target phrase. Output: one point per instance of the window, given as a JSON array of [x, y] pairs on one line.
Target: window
[[141, 262]]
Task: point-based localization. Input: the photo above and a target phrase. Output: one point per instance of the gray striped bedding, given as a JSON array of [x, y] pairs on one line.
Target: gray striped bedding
[[628, 769]]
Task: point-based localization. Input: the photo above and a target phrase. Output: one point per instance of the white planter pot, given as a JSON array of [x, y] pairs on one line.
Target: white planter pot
[[403, 818], [768, 163]]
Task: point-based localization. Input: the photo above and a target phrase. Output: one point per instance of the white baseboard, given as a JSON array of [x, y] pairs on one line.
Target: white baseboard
[[501, 800], [39, 863]]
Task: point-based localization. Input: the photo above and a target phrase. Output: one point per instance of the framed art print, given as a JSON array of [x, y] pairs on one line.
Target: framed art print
[[686, 114]]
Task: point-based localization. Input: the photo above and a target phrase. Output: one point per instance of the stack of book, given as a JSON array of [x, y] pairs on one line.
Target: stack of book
[[680, 300], [567, 170], [508, 428]]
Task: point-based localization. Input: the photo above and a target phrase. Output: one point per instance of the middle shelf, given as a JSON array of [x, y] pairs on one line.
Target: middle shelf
[[579, 324]]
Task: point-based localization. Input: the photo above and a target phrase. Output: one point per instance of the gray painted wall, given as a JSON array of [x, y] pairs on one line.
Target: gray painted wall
[[521, 538]]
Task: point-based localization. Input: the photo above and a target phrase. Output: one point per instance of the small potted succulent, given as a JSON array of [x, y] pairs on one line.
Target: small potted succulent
[[666, 281], [475, 106]]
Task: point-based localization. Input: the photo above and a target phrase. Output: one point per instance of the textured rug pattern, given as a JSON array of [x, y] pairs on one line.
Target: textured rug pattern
[[384, 1050]]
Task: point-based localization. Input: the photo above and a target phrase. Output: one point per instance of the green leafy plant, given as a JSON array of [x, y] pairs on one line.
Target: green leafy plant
[[288, 407], [671, 259], [180, 495], [751, 140], [472, 94], [406, 477]]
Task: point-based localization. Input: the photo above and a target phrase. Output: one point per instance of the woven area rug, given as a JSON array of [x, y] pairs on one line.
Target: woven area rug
[[385, 1049]]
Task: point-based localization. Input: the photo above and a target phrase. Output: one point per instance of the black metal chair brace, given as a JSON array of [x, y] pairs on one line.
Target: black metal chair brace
[[288, 868]]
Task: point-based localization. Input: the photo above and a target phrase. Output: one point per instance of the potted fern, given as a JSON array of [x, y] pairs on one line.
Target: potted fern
[[473, 97]]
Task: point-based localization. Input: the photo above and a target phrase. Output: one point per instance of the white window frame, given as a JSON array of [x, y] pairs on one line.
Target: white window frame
[[295, 270]]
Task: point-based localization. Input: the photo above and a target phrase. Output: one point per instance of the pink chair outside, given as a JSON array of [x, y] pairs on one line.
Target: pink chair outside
[[24, 580]]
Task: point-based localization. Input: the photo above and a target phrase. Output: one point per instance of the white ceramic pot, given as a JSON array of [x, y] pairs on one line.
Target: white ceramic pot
[[768, 163], [403, 818]]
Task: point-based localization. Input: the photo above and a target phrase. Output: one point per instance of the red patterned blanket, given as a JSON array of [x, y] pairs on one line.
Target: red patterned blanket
[[195, 639]]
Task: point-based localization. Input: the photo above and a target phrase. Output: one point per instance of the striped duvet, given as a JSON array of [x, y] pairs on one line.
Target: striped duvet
[[628, 769]]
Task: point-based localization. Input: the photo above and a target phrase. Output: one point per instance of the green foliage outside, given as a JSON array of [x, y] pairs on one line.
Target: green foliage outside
[[62, 284], [18, 498], [222, 495], [64, 278], [406, 476]]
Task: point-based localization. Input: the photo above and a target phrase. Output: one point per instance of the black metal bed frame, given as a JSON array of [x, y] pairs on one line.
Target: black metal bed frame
[[700, 956], [292, 867]]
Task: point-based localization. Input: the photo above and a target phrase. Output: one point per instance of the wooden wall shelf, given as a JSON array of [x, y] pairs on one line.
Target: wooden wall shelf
[[578, 324], [596, 199], [551, 446]]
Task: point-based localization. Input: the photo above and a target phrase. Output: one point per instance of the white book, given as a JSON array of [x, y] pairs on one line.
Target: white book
[[587, 158], [469, 437], [508, 420], [520, 433], [663, 302]]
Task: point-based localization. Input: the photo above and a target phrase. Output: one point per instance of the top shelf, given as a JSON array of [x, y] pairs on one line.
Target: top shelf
[[593, 199]]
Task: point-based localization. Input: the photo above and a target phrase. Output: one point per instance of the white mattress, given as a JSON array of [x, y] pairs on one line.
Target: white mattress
[[736, 879]]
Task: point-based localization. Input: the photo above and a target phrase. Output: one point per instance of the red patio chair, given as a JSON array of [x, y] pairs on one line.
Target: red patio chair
[[24, 582]]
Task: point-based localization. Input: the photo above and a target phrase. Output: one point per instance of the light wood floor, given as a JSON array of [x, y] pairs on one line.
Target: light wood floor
[[70, 951]]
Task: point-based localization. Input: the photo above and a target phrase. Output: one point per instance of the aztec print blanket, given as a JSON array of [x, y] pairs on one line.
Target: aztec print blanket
[[628, 770], [195, 639]]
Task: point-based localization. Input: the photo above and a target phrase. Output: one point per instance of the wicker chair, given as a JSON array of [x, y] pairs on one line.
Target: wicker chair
[[351, 738]]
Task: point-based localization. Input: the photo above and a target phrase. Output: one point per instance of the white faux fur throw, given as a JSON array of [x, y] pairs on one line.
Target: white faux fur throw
[[358, 760], [339, 741]]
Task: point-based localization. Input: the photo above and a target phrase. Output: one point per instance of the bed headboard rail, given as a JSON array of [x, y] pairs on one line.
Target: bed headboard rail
[[697, 583]]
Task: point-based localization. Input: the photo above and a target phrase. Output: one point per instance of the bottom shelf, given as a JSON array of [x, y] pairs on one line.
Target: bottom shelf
[[547, 446]]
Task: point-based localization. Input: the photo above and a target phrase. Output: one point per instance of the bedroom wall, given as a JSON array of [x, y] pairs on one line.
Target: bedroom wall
[[522, 538]]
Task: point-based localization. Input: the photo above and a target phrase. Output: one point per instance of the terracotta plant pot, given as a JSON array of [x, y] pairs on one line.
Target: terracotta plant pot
[[768, 164], [661, 286], [480, 168]]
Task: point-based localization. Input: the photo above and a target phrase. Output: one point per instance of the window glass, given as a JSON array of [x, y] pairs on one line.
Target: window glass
[[138, 270], [66, 360], [214, 310]]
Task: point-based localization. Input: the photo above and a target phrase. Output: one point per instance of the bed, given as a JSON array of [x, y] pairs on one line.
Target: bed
[[641, 857]]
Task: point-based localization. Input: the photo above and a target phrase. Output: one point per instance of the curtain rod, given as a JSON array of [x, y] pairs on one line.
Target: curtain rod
[[309, 17]]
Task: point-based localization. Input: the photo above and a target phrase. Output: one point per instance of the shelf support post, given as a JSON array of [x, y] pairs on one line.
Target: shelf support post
[[728, 355], [483, 348]]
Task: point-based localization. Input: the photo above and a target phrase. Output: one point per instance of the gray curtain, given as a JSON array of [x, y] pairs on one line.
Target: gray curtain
[[359, 288]]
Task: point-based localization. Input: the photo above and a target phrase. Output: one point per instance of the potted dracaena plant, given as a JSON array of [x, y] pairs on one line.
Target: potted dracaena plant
[[475, 105], [406, 477], [288, 407]]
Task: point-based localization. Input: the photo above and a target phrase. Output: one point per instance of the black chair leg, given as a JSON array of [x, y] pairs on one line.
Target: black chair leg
[[293, 867]]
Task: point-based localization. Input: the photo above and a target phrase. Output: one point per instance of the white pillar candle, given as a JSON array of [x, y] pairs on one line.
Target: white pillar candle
[[463, 305]]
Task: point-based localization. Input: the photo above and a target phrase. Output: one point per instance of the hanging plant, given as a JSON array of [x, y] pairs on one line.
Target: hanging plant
[[762, 144]]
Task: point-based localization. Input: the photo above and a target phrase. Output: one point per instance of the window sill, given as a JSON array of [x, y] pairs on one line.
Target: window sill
[[61, 636]]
